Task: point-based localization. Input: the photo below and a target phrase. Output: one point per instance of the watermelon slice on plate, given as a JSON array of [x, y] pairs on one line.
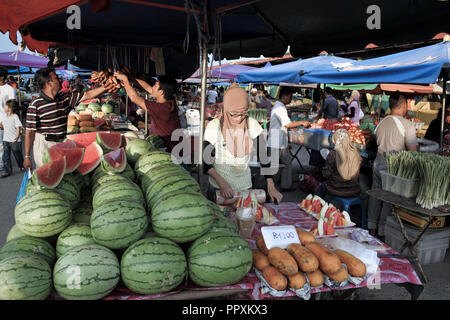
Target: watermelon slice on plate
[[74, 156], [50, 174], [92, 158], [109, 140], [83, 140], [114, 161]]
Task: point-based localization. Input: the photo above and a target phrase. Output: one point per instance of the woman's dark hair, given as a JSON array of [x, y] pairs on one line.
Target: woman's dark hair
[[42, 76], [13, 105], [168, 85]]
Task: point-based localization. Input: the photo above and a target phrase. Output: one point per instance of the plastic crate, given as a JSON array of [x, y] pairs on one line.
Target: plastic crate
[[431, 248], [407, 188]]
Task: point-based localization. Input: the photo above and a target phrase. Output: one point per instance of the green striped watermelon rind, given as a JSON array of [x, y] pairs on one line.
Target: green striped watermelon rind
[[56, 168], [88, 272], [119, 223], [25, 277], [109, 179], [151, 160], [77, 234], [136, 148], [181, 216], [118, 190], [158, 172], [219, 259], [223, 224], [29, 246], [153, 265], [42, 213], [114, 161], [168, 184]]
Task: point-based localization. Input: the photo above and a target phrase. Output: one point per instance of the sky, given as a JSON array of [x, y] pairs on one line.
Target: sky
[[6, 44]]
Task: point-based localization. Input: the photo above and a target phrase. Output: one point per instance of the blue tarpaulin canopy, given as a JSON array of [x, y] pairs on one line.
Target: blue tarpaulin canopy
[[290, 72], [421, 66]]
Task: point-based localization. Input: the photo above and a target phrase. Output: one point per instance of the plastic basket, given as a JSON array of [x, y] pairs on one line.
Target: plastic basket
[[407, 188]]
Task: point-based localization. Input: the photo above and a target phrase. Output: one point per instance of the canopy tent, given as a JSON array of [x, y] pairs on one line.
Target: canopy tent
[[209, 81], [18, 58], [268, 64], [373, 88], [228, 71], [417, 66], [291, 71]]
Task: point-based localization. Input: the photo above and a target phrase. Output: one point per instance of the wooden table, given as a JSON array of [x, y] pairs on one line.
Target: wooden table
[[410, 204]]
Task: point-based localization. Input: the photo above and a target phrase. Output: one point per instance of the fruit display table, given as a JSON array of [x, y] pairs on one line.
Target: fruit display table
[[391, 270]]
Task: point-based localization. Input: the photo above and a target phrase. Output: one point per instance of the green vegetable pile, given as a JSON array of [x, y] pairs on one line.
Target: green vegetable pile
[[259, 115], [403, 164]]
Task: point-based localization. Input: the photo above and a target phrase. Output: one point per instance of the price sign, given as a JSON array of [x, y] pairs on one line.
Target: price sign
[[279, 236]]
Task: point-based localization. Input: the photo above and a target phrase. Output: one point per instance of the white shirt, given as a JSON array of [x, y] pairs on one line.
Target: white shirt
[[6, 92], [9, 126], [279, 119], [212, 96]]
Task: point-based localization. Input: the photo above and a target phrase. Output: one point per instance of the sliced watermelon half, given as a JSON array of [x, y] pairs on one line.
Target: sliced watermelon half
[[73, 156], [92, 158], [114, 161], [83, 140], [50, 174], [109, 140]]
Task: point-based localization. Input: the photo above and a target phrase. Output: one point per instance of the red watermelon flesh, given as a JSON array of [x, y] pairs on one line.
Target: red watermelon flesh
[[115, 161], [51, 174], [92, 158], [69, 144], [73, 156], [109, 140], [83, 140]]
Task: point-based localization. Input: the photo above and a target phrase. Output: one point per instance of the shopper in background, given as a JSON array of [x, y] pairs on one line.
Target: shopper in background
[[265, 102], [354, 111], [11, 125], [329, 109], [434, 129], [6, 93], [212, 95], [394, 133], [12, 82]]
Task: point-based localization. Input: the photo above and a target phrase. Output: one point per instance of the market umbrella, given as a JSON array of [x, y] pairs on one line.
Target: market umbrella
[[22, 59], [228, 71]]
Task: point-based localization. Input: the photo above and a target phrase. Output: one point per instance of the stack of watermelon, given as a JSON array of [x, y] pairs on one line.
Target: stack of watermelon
[[83, 225]]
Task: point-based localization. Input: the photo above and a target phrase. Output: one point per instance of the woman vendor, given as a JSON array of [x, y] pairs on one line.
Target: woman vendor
[[229, 140], [341, 168]]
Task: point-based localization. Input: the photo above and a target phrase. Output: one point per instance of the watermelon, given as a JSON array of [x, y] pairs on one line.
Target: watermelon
[[117, 224], [118, 190], [94, 106], [156, 141], [109, 179], [77, 234], [83, 213], [114, 161], [222, 224], [29, 246], [136, 148], [92, 158], [182, 216], [107, 108], [74, 156], [50, 174], [42, 213], [152, 160], [81, 181], [25, 277], [99, 172], [81, 107], [14, 233], [219, 259], [158, 172], [87, 272], [83, 140], [169, 184], [109, 140], [153, 265]]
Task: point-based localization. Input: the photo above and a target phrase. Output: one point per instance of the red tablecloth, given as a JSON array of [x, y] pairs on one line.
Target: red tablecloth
[[391, 270]]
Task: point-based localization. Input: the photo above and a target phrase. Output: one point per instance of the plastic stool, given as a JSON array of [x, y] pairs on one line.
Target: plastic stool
[[348, 202]]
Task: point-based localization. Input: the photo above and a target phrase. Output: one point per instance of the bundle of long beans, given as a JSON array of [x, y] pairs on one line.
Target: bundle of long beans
[[434, 189]]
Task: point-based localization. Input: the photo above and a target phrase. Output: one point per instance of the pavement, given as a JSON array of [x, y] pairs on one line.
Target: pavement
[[437, 288]]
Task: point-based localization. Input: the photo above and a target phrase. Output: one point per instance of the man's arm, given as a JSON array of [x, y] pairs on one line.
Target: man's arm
[[144, 85], [132, 94], [94, 93], [29, 140]]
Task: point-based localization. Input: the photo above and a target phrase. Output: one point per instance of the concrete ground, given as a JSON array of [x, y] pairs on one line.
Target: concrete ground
[[437, 288]]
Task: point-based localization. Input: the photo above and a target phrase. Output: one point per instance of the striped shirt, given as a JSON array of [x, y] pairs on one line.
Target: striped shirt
[[49, 116]]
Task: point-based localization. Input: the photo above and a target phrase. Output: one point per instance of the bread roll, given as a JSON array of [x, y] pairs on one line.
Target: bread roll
[[262, 245], [329, 262], [73, 122], [283, 261], [87, 124], [340, 276], [315, 278], [305, 236], [85, 117], [297, 281], [88, 129], [274, 278], [306, 260], [355, 267], [260, 260]]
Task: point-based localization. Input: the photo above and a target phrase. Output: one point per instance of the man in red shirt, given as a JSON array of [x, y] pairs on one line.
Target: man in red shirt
[[163, 112]]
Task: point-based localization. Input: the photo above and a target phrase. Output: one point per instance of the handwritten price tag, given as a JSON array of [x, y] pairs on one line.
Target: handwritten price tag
[[279, 236]]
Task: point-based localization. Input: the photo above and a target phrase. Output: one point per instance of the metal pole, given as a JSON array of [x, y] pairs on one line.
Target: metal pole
[[202, 109], [18, 88], [444, 99], [126, 107], [146, 118]]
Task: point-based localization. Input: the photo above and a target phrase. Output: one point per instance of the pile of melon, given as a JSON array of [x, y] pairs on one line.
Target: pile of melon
[[98, 213]]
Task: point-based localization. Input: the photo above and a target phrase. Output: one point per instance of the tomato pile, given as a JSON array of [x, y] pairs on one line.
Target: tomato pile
[[356, 134]]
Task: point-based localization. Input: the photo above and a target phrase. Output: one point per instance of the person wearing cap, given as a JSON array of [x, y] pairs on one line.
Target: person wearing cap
[[228, 142]]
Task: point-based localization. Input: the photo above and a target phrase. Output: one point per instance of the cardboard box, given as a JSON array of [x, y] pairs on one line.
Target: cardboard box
[[420, 220]]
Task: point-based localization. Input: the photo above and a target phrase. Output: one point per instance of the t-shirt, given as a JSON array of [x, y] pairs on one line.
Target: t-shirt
[[393, 137], [330, 108], [10, 124], [6, 92], [212, 96], [434, 130], [164, 120], [234, 170], [279, 119], [49, 116]]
